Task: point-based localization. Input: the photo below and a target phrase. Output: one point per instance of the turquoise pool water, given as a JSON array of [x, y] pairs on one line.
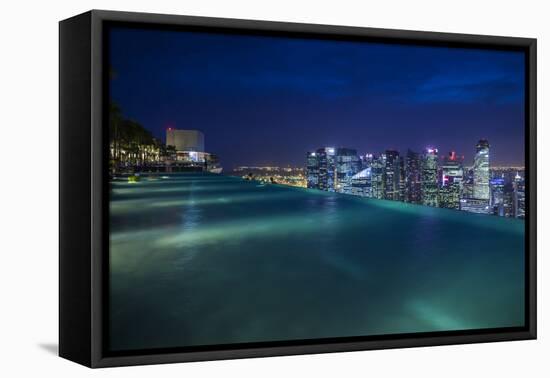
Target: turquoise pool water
[[207, 259]]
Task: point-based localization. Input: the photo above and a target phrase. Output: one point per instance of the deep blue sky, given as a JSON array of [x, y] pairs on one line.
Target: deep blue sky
[[268, 100]]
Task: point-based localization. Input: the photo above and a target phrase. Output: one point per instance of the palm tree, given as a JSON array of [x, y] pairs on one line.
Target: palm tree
[[115, 118], [130, 137]]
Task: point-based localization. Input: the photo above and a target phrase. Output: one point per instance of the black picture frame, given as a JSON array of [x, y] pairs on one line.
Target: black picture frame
[[83, 193]]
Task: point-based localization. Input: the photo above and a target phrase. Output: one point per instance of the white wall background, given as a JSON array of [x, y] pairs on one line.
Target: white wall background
[[28, 197]]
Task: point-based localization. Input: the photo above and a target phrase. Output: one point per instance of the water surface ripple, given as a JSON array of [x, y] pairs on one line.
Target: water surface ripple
[[207, 259]]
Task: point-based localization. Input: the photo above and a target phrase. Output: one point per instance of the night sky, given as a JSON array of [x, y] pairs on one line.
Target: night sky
[[268, 100]]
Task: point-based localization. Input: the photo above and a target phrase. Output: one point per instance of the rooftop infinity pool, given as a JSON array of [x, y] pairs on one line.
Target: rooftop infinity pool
[[200, 259]]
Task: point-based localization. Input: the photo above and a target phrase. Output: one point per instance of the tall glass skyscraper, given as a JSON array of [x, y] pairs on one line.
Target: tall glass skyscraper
[[312, 170], [413, 182], [430, 189], [327, 169], [377, 177], [508, 201], [452, 175], [497, 196], [519, 197], [402, 178], [481, 171], [468, 185], [392, 175], [361, 184], [366, 160], [347, 164]]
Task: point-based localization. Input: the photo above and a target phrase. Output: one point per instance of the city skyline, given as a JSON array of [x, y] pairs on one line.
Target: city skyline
[[422, 178], [264, 100]]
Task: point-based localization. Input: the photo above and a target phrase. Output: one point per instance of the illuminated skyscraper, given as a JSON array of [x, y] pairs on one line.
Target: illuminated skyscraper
[[377, 177], [452, 175], [519, 197], [481, 171], [327, 169], [430, 192], [312, 170], [392, 175], [468, 185], [366, 160], [497, 196], [402, 178], [347, 164], [361, 184], [508, 202], [413, 182]]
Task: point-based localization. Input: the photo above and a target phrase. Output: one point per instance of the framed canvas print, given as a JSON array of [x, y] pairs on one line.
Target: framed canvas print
[[233, 188]]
